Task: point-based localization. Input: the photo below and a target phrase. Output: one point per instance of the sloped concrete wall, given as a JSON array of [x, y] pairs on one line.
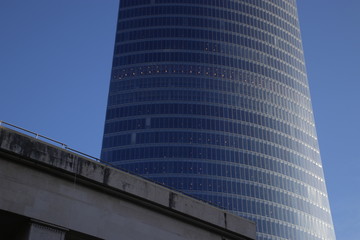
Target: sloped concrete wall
[[43, 182]]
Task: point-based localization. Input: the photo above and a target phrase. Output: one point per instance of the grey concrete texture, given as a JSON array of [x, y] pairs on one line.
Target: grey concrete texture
[[42, 232], [48, 183]]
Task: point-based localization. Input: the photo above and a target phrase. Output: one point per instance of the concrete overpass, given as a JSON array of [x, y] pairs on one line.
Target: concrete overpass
[[47, 192]]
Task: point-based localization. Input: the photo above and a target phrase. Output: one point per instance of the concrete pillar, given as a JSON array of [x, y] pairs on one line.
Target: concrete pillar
[[45, 231]]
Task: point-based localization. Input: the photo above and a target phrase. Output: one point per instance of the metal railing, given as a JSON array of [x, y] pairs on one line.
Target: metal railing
[[50, 140], [34, 133], [66, 147]]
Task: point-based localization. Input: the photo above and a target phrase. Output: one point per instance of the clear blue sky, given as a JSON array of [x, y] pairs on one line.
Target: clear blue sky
[[55, 60]]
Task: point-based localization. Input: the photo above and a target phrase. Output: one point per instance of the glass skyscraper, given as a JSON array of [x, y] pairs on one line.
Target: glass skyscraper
[[211, 97]]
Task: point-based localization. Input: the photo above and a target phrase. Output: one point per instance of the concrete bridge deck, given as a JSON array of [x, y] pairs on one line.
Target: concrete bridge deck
[[49, 193]]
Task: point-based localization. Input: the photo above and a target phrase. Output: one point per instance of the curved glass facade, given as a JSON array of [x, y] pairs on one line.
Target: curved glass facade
[[211, 97]]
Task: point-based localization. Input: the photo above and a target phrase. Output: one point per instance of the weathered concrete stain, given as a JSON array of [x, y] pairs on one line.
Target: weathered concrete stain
[[225, 220], [125, 186], [106, 176], [172, 202]]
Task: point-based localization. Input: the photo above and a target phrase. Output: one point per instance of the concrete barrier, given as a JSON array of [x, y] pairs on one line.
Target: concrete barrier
[[63, 195]]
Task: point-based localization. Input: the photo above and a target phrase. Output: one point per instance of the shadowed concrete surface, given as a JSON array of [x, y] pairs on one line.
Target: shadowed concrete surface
[[49, 193]]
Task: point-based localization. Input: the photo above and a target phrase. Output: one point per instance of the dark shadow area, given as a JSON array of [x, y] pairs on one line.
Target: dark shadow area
[[16, 227], [72, 235], [13, 226]]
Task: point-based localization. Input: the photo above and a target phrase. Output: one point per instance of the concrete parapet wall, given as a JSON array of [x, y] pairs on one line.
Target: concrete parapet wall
[[50, 184]]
